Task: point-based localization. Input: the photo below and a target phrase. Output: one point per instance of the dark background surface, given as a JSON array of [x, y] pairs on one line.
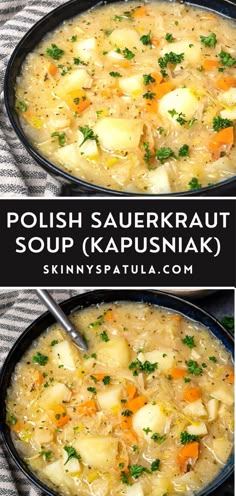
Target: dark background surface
[[220, 304]]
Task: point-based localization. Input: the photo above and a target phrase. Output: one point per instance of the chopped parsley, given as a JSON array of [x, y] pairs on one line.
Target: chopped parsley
[[170, 58], [164, 154], [146, 366], [124, 477], [134, 447], [184, 151], [160, 130], [146, 39], [125, 15], [189, 341], [78, 61], [147, 78], [88, 135], [169, 37], [23, 106], [157, 438], [91, 389], [106, 380], [73, 38], [213, 359], [104, 337], [128, 54], [72, 453], [61, 137], [40, 358], [209, 41], [226, 59], [147, 430], [137, 470], [220, 123], [155, 465], [54, 52], [107, 32], [193, 368], [194, 184], [98, 322], [187, 379], [54, 342], [186, 438], [127, 413], [228, 323], [115, 74], [149, 95], [180, 119], [11, 418], [148, 154], [46, 455]]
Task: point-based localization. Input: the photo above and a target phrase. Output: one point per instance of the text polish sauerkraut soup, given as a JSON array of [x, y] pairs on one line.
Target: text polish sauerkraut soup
[[147, 412], [135, 97]]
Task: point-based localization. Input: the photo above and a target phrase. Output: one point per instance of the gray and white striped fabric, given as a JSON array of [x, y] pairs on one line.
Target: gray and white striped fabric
[[19, 173], [17, 310]]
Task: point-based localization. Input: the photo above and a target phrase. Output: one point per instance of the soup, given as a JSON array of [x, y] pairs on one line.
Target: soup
[[135, 97], [148, 411]]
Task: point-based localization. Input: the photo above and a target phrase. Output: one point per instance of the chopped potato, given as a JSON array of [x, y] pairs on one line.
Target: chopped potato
[[182, 101], [114, 353], [119, 134], [97, 451], [150, 416]]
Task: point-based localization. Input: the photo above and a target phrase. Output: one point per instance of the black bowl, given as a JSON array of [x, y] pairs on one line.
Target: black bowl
[[83, 301], [73, 185]]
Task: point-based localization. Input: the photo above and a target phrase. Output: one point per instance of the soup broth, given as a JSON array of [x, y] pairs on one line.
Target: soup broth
[[147, 412], [136, 97]]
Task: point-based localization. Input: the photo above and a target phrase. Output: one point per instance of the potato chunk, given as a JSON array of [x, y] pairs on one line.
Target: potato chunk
[[223, 164], [125, 38], [159, 180], [132, 85], [118, 134], [55, 472], [229, 98], [212, 408], [135, 490], [110, 397], [197, 429], [195, 409], [63, 353], [75, 80], [182, 101], [68, 155], [54, 395], [191, 50], [114, 353], [97, 451], [164, 357], [85, 48], [149, 416], [224, 394]]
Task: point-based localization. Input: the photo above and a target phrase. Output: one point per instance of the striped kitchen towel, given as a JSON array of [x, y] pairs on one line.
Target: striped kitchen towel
[[19, 173], [17, 310]]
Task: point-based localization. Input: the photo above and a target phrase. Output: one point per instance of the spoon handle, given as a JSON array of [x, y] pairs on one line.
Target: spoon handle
[[60, 316]]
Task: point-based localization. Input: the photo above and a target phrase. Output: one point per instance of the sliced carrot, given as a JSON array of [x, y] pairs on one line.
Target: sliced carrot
[[122, 464], [158, 78], [177, 317], [58, 416], [192, 394], [177, 373], [126, 423], [140, 12], [17, 427], [155, 42], [77, 101], [164, 88], [151, 106], [225, 83], [223, 137], [230, 376], [99, 377], [131, 391], [190, 450], [52, 69], [135, 404], [209, 16], [209, 64], [87, 408], [109, 316]]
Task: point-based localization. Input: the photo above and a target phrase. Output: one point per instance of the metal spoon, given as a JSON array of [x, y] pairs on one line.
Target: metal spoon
[[60, 316]]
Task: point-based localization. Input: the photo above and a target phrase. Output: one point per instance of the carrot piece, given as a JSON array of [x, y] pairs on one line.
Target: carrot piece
[[131, 391], [155, 42], [140, 12], [157, 77], [192, 394], [164, 88], [151, 106], [83, 105], [177, 317], [126, 423], [87, 408], [177, 373], [209, 64], [190, 450], [52, 69], [99, 377], [17, 427], [77, 101], [223, 137], [208, 16], [230, 376], [109, 315], [122, 464], [225, 83], [58, 416], [135, 404]]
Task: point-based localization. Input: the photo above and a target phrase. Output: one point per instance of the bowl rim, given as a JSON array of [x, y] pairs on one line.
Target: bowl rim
[[83, 300], [53, 168]]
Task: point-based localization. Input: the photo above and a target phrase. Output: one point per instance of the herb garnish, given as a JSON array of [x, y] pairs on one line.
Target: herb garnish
[[193, 368], [104, 337], [149, 95], [220, 123], [147, 78], [61, 137], [72, 453], [40, 358], [46, 455], [146, 366], [189, 341], [115, 74], [194, 184], [164, 154], [170, 58], [88, 135], [209, 41], [186, 438], [169, 37], [226, 59], [54, 52], [146, 39]]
